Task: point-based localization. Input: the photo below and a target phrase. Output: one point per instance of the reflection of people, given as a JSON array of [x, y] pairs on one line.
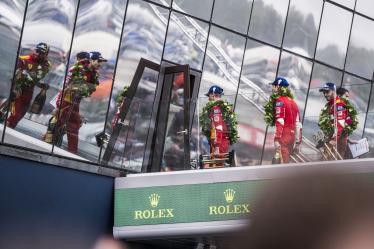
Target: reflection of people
[[344, 93], [81, 82], [311, 212], [337, 119], [31, 69], [285, 116], [218, 123]]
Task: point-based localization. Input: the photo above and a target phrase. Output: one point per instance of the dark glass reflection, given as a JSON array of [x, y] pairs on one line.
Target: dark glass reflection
[[50, 22], [12, 12]]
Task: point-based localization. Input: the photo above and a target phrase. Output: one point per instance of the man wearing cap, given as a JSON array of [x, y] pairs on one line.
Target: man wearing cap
[[219, 139], [288, 127], [337, 119], [80, 83], [31, 69]]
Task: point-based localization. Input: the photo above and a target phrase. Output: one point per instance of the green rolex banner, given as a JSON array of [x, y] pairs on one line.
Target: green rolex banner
[[184, 203]]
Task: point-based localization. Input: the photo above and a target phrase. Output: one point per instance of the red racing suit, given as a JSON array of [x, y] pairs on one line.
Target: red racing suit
[[81, 82], [29, 72], [342, 120], [219, 134], [288, 127]]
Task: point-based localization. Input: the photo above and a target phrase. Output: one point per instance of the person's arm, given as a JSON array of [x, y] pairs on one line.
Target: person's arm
[[280, 113]]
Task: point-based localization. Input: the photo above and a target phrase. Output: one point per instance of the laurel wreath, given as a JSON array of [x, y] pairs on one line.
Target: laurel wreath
[[327, 126], [269, 116], [229, 117], [122, 95]]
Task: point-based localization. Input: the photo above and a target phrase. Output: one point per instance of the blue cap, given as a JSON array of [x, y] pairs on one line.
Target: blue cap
[[42, 48], [280, 82], [328, 87], [97, 56], [83, 55], [215, 90]]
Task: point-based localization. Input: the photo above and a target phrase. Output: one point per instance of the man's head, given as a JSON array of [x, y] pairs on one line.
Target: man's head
[[83, 56], [342, 92], [41, 50], [96, 59], [215, 93], [278, 83], [329, 91]]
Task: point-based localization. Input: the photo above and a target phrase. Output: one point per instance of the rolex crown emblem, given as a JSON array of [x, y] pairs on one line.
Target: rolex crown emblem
[[154, 199], [229, 195]]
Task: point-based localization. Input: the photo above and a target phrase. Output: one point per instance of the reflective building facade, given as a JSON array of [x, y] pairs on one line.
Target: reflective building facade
[[241, 45]]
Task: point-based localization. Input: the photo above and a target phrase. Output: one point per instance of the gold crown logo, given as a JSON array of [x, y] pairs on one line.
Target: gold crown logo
[[154, 199], [229, 195]]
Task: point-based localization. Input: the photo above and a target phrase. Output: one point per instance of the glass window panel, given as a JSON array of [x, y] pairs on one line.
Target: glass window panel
[[316, 101], [371, 106], [130, 146], [186, 41], [369, 134], [143, 37], [269, 29], [333, 36], [50, 22], [359, 92], [12, 12], [297, 71], [347, 3], [232, 14], [221, 67], [365, 7], [259, 68], [251, 129], [302, 26], [360, 58], [223, 62], [197, 8], [95, 31]]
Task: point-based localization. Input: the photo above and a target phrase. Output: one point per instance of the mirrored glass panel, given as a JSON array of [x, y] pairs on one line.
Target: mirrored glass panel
[[232, 14], [12, 13], [186, 41], [143, 37], [200, 9], [315, 102], [333, 36], [269, 29], [360, 58], [369, 134], [82, 112], [359, 94], [40, 72], [302, 26], [129, 149], [259, 68], [222, 67], [365, 7], [347, 3]]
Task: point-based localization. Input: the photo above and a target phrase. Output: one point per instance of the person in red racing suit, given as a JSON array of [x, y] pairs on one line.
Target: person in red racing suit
[[339, 118], [31, 69], [81, 83], [220, 142], [288, 127]]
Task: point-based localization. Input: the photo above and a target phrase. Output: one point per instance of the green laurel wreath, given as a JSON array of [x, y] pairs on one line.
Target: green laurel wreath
[[122, 95], [229, 117], [327, 127], [269, 106]]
